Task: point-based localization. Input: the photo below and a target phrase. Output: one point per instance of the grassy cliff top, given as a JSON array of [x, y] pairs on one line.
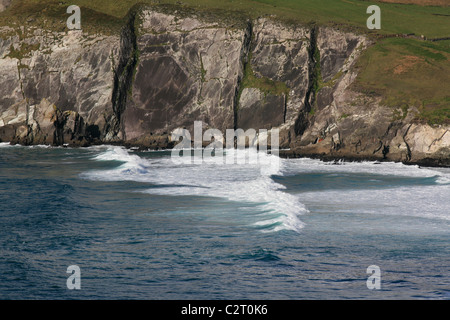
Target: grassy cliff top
[[106, 15]]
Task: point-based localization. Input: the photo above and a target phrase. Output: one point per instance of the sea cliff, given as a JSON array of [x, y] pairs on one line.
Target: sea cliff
[[171, 66]]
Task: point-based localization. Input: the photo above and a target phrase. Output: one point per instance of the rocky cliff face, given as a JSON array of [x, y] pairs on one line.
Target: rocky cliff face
[[187, 70], [56, 87], [171, 67], [351, 125], [4, 4]]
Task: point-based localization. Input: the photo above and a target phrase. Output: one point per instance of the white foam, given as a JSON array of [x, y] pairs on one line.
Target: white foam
[[37, 146], [306, 165], [443, 180], [429, 201], [279, 210], [44, 146], [241, 181], [5, 145]]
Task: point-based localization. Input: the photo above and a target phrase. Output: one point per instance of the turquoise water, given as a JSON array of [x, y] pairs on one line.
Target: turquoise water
[[140, 226]]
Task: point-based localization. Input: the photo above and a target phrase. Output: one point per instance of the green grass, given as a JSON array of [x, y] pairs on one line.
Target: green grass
[[51, 15], [435, 112], [395, 18], [23, 51], [265, 85], [408, 72], [106, 15]]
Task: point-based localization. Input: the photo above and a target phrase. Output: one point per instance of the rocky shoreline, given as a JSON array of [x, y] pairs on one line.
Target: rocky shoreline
[[336, 159], [289, 154]]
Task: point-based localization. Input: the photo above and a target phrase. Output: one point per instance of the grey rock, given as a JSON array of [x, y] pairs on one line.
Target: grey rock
[[171, 67], [188, 70], [4, 4], [49, 73]]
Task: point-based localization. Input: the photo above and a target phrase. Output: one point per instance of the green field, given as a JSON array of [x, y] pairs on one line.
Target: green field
[[396, 18], [405, 71], [409, 73]]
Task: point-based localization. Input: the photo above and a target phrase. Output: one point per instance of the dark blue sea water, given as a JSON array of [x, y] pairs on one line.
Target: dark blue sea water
[[140, 226]]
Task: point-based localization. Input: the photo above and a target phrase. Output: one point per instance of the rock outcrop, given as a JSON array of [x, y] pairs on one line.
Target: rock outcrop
[[56, 87], [171, 66], [187, 70], [4, 4], [347, 124]]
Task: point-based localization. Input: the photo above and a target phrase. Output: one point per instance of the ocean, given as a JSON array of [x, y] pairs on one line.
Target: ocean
[[140, 226]]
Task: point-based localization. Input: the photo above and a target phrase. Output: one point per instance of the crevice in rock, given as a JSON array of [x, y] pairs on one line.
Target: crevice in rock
[[248, 35], [30, 122], [408, 149], [438, 139], [29, 136], [123, 76], [303, 121], [385, 151], [59, 123], [380, 145]]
